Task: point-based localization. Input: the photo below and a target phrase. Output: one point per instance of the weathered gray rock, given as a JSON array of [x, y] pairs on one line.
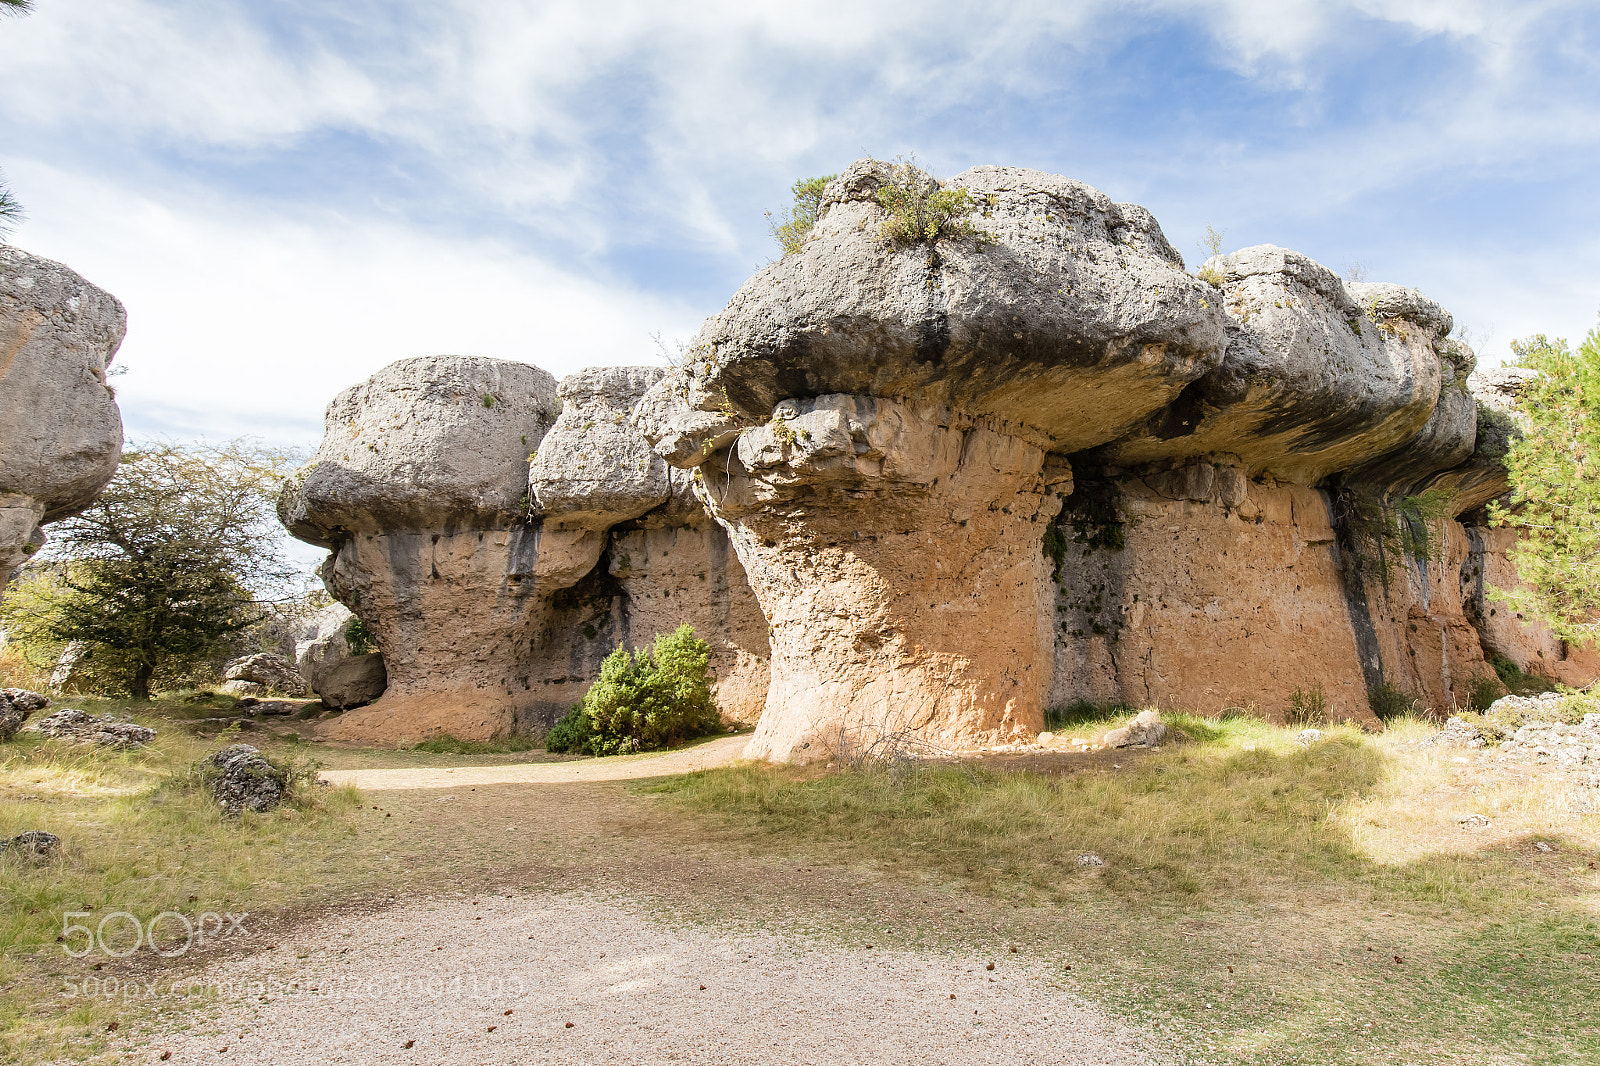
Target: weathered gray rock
[[244, 689], [25, 699], [60, 431], [1147, 730], [321, 642], [890, 487], [1318, 377], [240, 778], [437, 442], [1072, 317], [593, 470], [353, 682], [15, 706], [34, 845], [73, 724], [273, 672]]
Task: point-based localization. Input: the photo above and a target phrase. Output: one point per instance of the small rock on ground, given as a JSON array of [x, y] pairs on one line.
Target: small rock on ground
[[73, 724], [35, 846], [241, 779]]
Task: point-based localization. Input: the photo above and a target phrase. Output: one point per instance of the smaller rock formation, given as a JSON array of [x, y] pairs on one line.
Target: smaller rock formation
[[60, 431], [16, 704], [354, 681], [420, 491], [34, 845], [1146, 730], [268, 670], [240, 778], [73, 724], [321, 642]]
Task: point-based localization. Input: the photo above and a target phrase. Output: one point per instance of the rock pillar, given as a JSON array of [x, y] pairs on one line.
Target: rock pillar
[[896, 550]]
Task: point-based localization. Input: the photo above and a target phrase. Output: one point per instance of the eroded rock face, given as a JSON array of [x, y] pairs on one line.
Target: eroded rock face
[[60, 431], [593, 470], [419, 488], [895, 552], [497, 620], [895, 404], [1318, 376], [276, 673]]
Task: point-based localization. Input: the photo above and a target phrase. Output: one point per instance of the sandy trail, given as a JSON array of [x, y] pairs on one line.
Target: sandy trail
[[567, 978], [618, 768]]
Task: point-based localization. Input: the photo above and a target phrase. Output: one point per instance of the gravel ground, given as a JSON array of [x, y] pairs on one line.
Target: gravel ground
[[615, 768], [545, 978]]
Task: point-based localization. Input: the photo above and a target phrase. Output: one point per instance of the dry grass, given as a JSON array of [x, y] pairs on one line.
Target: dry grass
[[1261, 900]]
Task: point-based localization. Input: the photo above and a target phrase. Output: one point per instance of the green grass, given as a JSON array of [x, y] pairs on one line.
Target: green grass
[[1241, 905], [138, 835], [449, 745]]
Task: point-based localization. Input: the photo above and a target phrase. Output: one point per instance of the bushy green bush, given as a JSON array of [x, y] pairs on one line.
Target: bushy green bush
[[1388, 700], [654, 698]]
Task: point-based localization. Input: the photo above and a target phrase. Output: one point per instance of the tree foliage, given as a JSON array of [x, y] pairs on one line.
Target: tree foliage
[[653, 698], [180, 552], [1555, 488], [793, 226]]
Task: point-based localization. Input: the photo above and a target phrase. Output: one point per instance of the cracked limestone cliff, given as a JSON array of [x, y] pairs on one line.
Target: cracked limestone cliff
[[60, 431], [419, 491], [879, 425]]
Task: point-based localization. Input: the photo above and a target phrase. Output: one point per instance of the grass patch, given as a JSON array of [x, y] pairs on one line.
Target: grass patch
[[449, 745], [1261, 901], [139, 835]]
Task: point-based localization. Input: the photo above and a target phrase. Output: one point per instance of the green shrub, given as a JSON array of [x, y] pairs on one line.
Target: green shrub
[[653, 698], [793, 227], [1388, 700], [1307, 707], [920, 210], [358, 638], [1484, 691], [571, 732]]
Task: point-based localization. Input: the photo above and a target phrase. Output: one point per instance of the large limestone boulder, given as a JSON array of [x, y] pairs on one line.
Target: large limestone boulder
[[435, 442], [420, 490], [355, 681], [901, 409], [1319, 376], [60, 431], [272, 672]]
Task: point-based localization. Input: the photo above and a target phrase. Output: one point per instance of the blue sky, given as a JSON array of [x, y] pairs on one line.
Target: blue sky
[[288, 195]]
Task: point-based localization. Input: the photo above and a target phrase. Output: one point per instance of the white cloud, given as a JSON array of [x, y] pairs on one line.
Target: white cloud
[[242, 324]]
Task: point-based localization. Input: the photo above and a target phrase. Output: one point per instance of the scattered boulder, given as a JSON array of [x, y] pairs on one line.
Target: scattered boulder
[[275, 672], [60, 431], [1307, 737], [354, 682], [16, 705], [240, 778], [1558, 742], [1146, 730], [35, 846], [1085, 861], [321, 642], [256, 707], [243, 689], [73, 724]]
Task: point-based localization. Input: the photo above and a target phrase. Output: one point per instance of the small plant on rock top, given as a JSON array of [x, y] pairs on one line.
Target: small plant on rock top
[[793, 226], [920, 209]]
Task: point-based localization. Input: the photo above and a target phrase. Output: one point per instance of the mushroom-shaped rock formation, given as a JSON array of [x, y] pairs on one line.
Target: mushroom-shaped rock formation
[[419, 489], [900, 387], [60, 431], [1318, 377], [593, 470]]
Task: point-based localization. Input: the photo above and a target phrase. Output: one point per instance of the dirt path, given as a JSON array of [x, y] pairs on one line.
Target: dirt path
[[572, 978], [618, 768]]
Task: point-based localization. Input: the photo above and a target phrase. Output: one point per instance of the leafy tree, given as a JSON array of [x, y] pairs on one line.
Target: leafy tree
[[654, 698], [179, 553], [1555, 480], [793, 227], [15, 7]]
